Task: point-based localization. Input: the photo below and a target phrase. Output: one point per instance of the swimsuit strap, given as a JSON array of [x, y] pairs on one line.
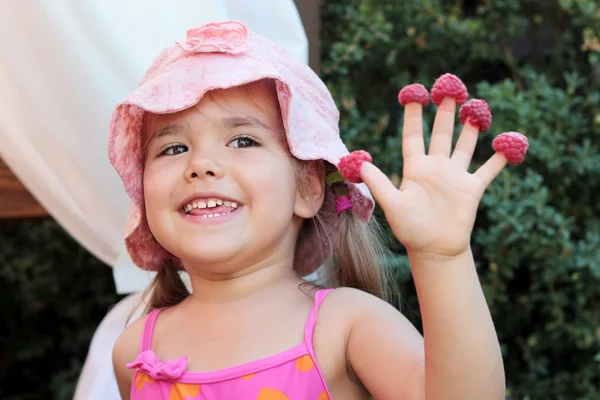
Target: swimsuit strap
[[311, 323], [149, 330]]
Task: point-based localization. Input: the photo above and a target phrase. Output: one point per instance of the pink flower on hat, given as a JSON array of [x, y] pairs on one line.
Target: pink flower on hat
[[217, 37]]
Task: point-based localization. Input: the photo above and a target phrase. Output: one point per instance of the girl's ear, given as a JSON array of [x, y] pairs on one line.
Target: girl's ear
[[310, 194]]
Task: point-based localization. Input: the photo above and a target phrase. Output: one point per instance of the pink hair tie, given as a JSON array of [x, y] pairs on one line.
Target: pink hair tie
[[342, 203]]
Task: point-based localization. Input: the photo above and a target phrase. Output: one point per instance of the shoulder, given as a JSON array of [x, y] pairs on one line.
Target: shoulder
[[382, 347], [125, 350], [353, 303], [129, 341], [362, 312], [350, 311]]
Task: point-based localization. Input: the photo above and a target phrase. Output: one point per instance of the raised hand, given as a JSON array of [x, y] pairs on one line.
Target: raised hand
[[434, 209]]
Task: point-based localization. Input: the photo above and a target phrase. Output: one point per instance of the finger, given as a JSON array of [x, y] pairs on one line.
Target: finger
[[412, 131], [443, 128], [382, 189], [465, 147], [492, 167]]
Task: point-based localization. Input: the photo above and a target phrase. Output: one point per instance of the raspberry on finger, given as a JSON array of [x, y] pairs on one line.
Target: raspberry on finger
[[350, 165], [477, 113], [413, 93], [449, 85], [513, 145]]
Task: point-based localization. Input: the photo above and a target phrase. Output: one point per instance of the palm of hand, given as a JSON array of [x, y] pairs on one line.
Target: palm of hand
[[435, 206], [434, 209]]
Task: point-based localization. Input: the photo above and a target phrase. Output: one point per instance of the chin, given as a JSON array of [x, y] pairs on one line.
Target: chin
[[206, 253]]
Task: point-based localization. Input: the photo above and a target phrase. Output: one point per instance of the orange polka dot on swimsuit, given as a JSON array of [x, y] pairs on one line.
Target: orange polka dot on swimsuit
[[183, 391], [141, 379], [305, 363], [323, 396], [271, 394]]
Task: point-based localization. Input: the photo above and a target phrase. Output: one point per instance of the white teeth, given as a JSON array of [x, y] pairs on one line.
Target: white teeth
[[210, 203], [215, 215]]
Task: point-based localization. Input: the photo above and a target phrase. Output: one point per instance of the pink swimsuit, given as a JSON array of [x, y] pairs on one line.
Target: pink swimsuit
[[291, 375]]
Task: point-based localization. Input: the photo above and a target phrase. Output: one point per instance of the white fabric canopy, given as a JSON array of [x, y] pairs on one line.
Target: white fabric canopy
[[64, 64]]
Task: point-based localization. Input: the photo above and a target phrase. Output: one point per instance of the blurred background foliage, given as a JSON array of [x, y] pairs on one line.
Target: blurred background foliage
[[537, 236], [53, 295]]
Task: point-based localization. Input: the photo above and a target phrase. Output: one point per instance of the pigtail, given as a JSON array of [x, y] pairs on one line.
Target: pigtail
[[357, 262], [360, 249], [167, 289]]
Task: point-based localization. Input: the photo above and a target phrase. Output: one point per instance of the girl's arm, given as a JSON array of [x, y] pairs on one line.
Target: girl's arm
[[460, 358], [463, 358], [125, 350], [432, 214], [121, 373]]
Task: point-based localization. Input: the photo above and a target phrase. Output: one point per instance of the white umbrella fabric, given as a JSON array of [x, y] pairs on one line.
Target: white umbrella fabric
[[64, 64]]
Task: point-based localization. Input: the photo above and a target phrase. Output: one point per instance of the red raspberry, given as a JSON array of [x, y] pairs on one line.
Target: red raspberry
[[449, 85], [513, 145], [414, 93], [349, 165], [477, 113]]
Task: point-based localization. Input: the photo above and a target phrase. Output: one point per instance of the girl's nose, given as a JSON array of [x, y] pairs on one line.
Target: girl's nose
[[203, 167]]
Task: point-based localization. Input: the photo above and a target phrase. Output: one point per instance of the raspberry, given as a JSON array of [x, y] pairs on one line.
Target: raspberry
[[513, 145], [449, 85], [349, 165], [477, 113], [414, 93]]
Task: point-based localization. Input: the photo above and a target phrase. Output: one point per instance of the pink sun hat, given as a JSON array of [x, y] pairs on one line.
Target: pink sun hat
[[221, 55]]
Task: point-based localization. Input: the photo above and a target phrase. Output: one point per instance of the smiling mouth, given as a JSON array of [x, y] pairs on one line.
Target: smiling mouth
[[210, 208]]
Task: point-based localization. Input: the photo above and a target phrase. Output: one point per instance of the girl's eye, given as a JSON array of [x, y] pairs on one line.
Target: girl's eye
[[173, 150], [241, 142]]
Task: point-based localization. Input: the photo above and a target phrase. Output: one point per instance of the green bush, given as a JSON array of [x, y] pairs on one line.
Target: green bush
[[537, 236], [53, 296]]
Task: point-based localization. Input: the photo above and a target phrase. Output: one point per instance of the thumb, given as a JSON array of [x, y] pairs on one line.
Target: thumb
[[382, 189]]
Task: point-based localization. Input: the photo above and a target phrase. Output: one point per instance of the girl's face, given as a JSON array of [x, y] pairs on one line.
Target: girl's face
[[219, 182]]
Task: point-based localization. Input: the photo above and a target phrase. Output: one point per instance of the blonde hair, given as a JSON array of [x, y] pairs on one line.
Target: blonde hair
[[358, 262]]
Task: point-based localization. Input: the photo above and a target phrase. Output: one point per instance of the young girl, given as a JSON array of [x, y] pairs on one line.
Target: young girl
[[228, 150]]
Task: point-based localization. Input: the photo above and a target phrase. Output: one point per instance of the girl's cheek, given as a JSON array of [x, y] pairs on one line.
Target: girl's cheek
[[156, 179]]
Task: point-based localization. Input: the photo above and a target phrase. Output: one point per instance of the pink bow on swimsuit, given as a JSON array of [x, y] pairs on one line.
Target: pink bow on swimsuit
[[149, 363]]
